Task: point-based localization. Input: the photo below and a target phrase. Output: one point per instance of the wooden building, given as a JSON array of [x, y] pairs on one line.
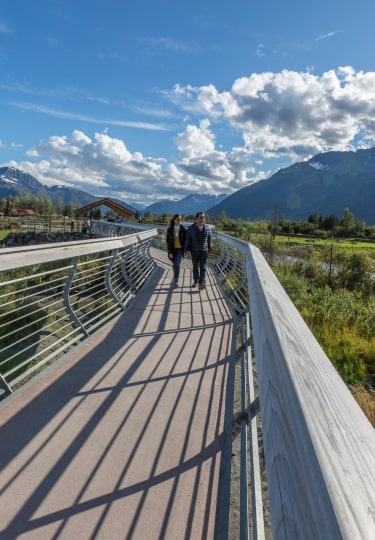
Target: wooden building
[[118, 208]]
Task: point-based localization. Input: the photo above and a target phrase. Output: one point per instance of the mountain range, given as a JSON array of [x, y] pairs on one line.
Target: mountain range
[[16, 182], [326, 184], [191, 204]]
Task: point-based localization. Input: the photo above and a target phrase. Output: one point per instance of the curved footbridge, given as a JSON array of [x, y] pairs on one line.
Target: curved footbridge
[[134, 411], [124, 437]]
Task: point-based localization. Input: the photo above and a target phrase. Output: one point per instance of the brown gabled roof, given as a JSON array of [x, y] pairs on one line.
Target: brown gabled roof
[[106, 202], [22, 211]]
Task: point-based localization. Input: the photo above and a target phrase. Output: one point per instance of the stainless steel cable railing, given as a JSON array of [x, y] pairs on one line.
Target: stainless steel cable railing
[[52, 297]]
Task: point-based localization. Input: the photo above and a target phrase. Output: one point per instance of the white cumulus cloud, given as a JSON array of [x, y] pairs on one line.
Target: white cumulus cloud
[[227, 139]]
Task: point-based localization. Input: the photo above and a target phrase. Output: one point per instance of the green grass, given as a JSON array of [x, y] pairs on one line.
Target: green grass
[[4, 233], [350, 244], [343, 322]]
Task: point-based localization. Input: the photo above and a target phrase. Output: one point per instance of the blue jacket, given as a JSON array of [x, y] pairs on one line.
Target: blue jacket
[[198, 240]]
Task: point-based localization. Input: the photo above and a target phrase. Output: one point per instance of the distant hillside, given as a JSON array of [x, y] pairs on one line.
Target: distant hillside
[[326, 184], [188, 205], [16, 182]]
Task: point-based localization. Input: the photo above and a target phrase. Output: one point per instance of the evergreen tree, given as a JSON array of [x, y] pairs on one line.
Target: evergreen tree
[[348, 221]]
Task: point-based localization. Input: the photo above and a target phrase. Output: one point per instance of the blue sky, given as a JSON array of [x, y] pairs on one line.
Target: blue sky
[[156, 99]]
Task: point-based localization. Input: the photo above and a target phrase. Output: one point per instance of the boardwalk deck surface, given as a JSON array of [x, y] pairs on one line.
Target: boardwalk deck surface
[[123, 438]]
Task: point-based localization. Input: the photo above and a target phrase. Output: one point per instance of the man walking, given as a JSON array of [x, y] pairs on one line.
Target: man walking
[[198, 243]]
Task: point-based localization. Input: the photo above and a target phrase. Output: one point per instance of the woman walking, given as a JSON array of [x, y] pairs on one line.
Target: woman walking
[[176, 234]]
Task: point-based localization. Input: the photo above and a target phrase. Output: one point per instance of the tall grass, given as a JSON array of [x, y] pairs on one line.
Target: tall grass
[[336, 298]]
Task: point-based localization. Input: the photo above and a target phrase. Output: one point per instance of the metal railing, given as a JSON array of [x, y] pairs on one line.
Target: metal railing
[[52, 297], [230, 268], [319, 447]]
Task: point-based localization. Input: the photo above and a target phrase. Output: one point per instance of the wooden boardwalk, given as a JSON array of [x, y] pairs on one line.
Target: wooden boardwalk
[[123, 438]]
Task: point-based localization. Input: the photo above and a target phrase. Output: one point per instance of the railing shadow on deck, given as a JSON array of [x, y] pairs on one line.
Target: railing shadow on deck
[[86, 380]]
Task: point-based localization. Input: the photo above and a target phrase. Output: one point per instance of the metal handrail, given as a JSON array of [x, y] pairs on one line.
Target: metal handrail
[[54, 296], [230, 268]]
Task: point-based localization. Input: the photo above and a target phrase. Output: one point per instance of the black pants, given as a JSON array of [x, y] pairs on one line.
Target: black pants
[[199, 260]]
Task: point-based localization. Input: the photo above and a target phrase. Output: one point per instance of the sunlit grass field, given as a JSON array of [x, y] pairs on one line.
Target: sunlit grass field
[[358, 245]]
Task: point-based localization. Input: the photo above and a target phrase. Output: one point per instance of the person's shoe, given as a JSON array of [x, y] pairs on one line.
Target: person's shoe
[[202, 286], [194, 284], [176, 285]]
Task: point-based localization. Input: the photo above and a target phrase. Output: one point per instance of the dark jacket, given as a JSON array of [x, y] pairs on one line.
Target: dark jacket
[[170, 239], [197, 240]]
